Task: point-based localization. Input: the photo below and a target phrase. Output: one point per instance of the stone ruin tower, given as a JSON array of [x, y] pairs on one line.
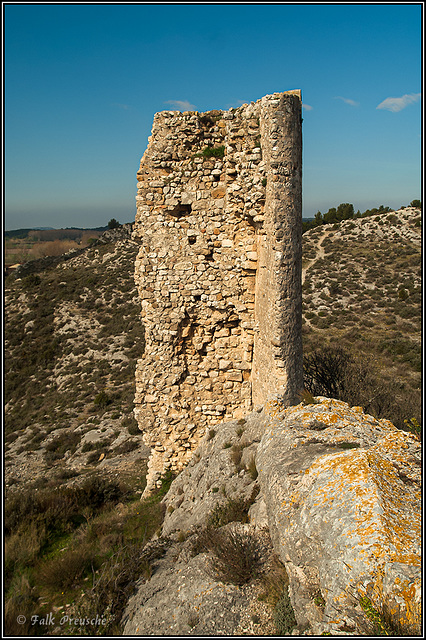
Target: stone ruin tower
[[218, 271]]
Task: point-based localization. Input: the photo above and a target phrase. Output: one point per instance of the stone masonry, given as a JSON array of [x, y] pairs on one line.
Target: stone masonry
[[218, 270]]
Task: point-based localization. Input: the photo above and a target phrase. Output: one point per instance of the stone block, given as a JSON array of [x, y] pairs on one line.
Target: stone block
[[235, 376]]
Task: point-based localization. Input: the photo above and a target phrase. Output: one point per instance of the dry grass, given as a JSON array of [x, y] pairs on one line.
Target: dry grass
[[83, 544], [234, 554]]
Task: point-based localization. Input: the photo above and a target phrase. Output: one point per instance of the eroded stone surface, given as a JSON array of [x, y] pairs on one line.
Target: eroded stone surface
[[339, 497], [346, 521], [184, 598], [212, 477]]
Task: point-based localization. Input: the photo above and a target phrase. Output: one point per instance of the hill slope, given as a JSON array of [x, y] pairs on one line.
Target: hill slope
[[362, 292], [73, 335]]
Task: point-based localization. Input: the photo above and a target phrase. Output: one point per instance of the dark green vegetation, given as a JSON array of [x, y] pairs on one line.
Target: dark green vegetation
[[362, 293], [71, 233], [235, 556], [346, 211], [235, 559], [211, 152], [77, 551], [74, 539], [274, 583]]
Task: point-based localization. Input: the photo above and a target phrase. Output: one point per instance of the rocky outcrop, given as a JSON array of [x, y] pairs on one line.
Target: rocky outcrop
[[121, 233], [342, 493], [338, 491], [183, 597]]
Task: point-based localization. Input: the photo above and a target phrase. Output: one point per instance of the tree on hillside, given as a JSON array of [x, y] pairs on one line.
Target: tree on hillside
[[345, 211], [318, 218], [113, 224], [416, 203]]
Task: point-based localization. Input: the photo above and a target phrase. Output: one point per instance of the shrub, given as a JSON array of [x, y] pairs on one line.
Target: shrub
[[126, 447], [193, 619], [166, 481], [416, 203], [235, 556], [231, 511], [236, 453], [96, 491], [102, 400], [23, 547], [338, 373], [252, 469], [383, 620], [284, 617], [47, 508], [67, 441], [213, 152], [131, 425], [307, 398], [413, 427], [274, 580], [115, 582], [63, 571], [31, 281], [21, 601]]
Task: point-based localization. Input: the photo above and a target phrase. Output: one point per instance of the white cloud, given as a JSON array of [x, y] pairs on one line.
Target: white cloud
[[397, 104], [125, 107], [307, 107], [353, 103], [182, 105]]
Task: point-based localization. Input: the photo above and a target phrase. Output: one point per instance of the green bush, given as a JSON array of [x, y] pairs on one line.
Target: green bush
[[131, 425], [213, 152], [338, 373], [102, 400], [252, 469], [284, 617], [31, 281], [67, 441], [115, 583], [416, 203], [63, 571], [126, 447]]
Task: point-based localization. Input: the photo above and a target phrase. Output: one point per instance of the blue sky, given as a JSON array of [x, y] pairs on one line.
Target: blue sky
[[82, 84]]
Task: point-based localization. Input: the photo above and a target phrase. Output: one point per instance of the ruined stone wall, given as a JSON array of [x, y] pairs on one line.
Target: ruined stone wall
[[218, 271]]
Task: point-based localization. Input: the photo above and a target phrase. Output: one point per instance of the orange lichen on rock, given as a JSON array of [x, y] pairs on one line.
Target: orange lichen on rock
[[358, 513]]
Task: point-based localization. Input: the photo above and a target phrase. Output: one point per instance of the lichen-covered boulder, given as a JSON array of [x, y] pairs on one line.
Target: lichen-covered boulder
[[342, 493]]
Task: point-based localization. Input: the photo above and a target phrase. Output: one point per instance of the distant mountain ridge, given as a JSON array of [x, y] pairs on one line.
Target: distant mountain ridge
[[23, 233]]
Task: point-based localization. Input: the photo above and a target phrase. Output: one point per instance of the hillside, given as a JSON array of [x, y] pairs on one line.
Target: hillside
[[75, 462], [362, 292], [73, 335], [72, 338]]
